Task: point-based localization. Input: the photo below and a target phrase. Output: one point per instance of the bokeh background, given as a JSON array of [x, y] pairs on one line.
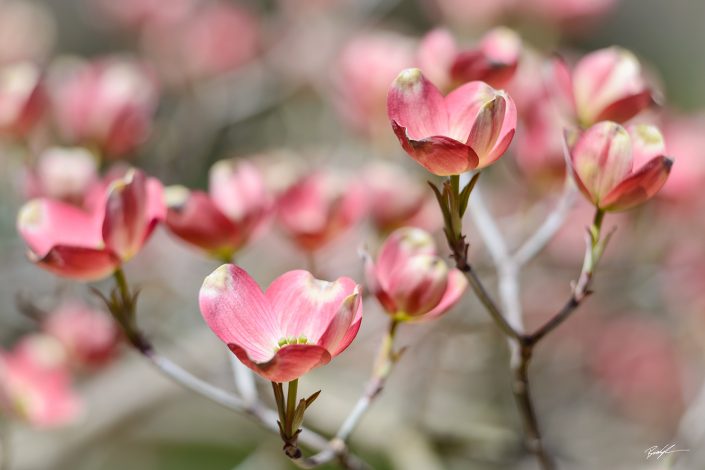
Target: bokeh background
[[281, 83]]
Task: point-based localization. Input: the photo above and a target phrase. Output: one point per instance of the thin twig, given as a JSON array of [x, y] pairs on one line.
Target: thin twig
[[386, 359], [507, 269], [511, 324]]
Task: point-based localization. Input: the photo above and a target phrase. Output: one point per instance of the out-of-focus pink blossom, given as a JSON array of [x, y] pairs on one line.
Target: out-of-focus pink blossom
[[106, 104], [320, 207], [685, 137], [468, 129], [607, 84], [89, 336], [396, 200], [90, 245], [27, 31], [365, 67], [214, 39], [617, 170], [299, 323], [22, 99], [63, 173], [410, 280], [494, 60], [234, 211], [35, 385], [638, 365]]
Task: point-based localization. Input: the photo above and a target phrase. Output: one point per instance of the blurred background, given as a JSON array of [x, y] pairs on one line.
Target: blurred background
[[298, 87]]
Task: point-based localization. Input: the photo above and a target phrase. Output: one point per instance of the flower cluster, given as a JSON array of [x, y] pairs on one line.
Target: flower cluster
[[88, 134]]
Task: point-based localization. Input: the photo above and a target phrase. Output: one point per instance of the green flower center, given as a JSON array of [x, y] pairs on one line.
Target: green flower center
[[287, 341]]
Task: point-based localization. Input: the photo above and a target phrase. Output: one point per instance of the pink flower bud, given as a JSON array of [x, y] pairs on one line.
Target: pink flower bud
[[90, 245], [22, 99], [64, 173], [90, 337], [36, 389], [396, 200], [617, 170], [106, 104], [234, 212], [607, 84], [319, 208], [494, 61], [468, 129], [299, 323], [410, 281]]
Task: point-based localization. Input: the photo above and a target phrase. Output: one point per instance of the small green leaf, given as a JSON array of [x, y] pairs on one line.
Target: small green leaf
[[442, 204], [465, 194], [298, 417], [312, 398]]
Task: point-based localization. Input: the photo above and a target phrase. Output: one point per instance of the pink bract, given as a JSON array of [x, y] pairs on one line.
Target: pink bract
[[90, 337], [410, 280], [605, 85], [36, 391], [468, 129], [494, 60], [90, 245], [299, 323], [398, 200], [320, 207], [618, 169], [106, 104], [236, 209]]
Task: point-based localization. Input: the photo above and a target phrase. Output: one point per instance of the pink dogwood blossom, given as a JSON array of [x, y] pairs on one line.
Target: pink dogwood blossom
[[220, 222], [410, 280], [89, 336], [468, 129], [618, 169], [605, 85], [35, 385], [398, 200], [106, 104], [299, 323], [90, 245], [320, 207], [493, 61]]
